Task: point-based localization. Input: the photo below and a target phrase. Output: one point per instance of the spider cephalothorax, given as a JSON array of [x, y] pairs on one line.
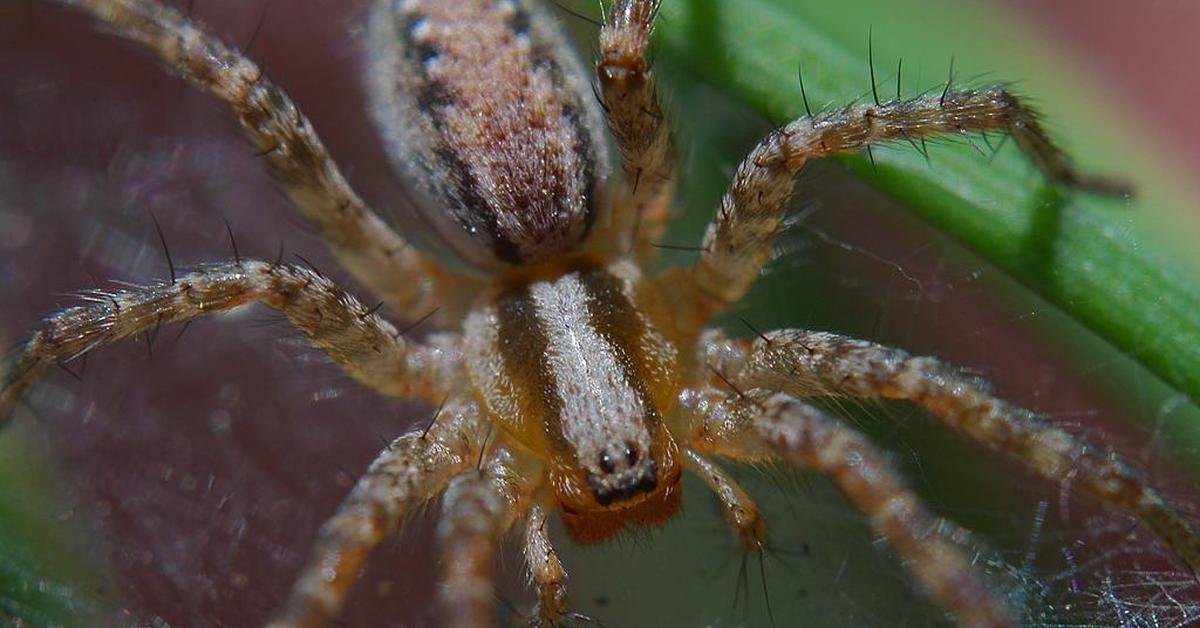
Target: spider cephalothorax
[[603, 381]]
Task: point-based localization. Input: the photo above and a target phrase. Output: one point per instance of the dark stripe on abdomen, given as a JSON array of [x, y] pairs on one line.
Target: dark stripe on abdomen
[[432, 99]]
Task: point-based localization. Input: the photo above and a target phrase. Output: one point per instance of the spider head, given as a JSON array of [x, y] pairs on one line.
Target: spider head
[[626, 484], [621, 471]]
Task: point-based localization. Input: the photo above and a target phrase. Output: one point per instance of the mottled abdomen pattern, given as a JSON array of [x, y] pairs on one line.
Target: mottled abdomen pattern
[[487, 113]]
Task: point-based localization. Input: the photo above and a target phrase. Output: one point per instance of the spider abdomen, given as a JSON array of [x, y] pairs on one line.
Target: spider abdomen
[[484, 109], [577, 369]]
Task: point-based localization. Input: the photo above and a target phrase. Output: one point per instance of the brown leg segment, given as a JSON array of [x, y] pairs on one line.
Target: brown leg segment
[[813, 363], [295, 156], [414, 468], [478, 509], [740, 511], [738, 241], [546, 570], [760, 425], [627, 94], [367, 347]]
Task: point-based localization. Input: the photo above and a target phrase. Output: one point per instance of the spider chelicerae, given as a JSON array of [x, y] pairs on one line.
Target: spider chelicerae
[[602, 382]]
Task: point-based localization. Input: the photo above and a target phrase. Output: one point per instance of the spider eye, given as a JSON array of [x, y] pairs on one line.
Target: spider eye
[[621, 473], [631, 454]]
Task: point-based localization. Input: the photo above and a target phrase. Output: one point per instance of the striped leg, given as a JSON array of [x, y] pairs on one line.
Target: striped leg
[[295, 156], [636, 119], [412, 469], [478, 509], [760, 425], [812, 363], [367, 347], [738, 241]]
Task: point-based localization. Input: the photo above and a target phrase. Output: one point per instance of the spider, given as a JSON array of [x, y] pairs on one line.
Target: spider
[[601, 384]]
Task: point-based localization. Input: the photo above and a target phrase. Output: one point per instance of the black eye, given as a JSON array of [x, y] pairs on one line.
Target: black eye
[[631, 454], [606, 463]]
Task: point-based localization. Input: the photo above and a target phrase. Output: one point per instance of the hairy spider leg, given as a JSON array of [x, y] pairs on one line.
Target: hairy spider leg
[[759, 424], [806, 363], [738, 240], [367, 347], [479, 507], [545, 570], [362, 242], [411, 470], [741, 513], [636, 120]]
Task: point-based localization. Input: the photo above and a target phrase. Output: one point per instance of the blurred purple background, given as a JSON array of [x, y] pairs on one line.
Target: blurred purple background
[[1147, 51]]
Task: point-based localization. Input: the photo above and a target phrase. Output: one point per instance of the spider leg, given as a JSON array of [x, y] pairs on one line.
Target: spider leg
[[479, 507], [413, 468], [295, 156], [545, 569], [635, 117], [366, 346], [807, 363], [759, 424], [738, 240], [740, 511]]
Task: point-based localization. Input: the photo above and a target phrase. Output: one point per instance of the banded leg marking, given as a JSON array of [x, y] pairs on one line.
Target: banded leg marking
[[478, 509], [366, 346], [759, 425], [295, 156], [635, 117], [414, 468], [738, 240], [807, 363]]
